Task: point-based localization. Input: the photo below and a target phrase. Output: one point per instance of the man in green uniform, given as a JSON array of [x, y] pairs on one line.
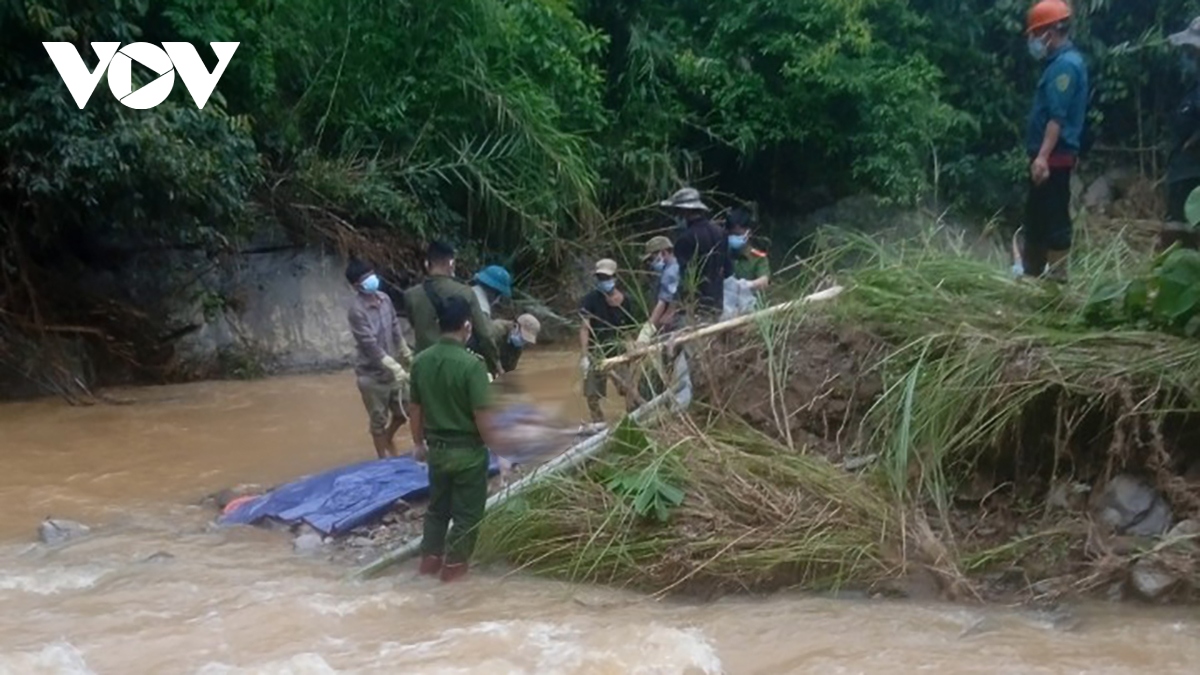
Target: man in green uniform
[[440, 285], [751, 269], [749, 263], [451, 428]]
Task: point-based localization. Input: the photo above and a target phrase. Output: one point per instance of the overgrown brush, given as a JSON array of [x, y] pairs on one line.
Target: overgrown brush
[[711, 510], [969, 376], [978, 356]]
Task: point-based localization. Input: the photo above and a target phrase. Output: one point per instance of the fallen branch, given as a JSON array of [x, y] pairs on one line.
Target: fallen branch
[[716, 328], [571, 458]]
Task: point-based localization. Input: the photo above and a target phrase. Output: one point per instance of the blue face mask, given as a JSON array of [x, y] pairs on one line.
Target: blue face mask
[[515, 339], [1037, 48], [607, 286], [658, 265], [370, 284], [737, 241]]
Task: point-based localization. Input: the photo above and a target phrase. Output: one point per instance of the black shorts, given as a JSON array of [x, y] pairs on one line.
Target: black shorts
[[1048, 213]]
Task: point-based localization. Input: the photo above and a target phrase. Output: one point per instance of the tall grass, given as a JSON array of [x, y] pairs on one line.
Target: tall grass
[[976, 355], [754, 517], [978, 369]]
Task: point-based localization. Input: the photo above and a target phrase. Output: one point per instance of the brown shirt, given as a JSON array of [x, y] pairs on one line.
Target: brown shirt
[[376, 330]]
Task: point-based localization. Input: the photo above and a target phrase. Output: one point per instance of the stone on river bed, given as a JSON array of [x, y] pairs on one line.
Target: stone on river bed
[[1150, 579], [54, 531], [309, 542], [1132, 506]]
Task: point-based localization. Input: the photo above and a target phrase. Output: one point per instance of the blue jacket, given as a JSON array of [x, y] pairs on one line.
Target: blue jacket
[[1062, 96]]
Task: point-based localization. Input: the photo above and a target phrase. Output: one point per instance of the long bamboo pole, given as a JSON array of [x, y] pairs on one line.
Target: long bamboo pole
[[571, 458], [745, 319]]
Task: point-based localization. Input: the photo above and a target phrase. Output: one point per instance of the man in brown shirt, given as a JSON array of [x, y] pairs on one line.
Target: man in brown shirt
[[382, 381]]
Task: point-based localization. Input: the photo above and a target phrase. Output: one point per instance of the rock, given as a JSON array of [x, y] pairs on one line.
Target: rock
[[1107, 189], [360, 542], [1150, 580], [1185, 537], [307, 543], [1132, 506], [54, 531]]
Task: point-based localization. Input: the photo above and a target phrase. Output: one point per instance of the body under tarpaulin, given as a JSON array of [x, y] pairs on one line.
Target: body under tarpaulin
[[341, 499]]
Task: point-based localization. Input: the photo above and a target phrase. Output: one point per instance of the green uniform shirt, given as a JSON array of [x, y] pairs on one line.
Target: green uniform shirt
[[423, 317], [450, 384], [751, 264]]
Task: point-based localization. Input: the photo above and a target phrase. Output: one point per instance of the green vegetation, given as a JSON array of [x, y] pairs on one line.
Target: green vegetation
[[983, 379], [751, 517]]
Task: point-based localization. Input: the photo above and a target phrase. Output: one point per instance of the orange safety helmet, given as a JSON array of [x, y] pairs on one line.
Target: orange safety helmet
[[1046, 13]]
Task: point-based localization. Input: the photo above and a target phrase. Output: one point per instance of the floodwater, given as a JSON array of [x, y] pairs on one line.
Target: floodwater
[[156, 589]]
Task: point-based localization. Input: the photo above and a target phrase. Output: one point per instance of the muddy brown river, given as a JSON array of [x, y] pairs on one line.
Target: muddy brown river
[[157, 589]]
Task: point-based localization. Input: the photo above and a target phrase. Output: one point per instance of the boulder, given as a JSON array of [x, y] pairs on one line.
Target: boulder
[[54, 531], [308, 543], [1185, 537], [1150, 580], [1132, 506]]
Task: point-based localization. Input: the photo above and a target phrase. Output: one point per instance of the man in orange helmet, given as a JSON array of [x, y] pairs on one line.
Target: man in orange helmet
[[1053, 138]]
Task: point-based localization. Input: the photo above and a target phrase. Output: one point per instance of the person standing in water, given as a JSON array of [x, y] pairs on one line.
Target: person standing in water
[[423, 300], [1183, 163], [452, 429], [513, 337], [379, 342], [1053, 138], [605, 313], [490, 284]]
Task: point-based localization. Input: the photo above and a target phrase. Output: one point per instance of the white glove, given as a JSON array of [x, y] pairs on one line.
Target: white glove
[[585, 364], [647, 334], [397, 370]]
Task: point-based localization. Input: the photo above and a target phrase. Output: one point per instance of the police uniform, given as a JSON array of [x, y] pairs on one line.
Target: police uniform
[[1061, 96], [751, 263], [423, 316], [450, 384]]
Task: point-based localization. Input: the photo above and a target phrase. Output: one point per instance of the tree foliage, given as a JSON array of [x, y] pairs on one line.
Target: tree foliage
[[516, 125]]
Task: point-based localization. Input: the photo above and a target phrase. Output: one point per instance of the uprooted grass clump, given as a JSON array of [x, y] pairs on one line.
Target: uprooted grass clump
[[959, 398], [702, 511]]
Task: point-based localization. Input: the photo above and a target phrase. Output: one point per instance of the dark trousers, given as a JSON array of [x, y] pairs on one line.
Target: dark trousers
[[1047, 220], [458, 485]]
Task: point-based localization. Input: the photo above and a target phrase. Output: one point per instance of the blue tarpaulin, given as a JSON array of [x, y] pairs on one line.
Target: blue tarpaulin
[[343, 498]]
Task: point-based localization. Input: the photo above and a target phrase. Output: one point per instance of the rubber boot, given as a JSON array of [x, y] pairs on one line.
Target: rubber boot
[[453, 572], [430, 565]]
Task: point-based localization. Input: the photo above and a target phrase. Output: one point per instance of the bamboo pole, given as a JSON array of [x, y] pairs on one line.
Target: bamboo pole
[[571, 458], [705, 331]]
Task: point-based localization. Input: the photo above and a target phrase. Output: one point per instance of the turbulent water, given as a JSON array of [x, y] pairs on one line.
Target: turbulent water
[[156, 589]]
